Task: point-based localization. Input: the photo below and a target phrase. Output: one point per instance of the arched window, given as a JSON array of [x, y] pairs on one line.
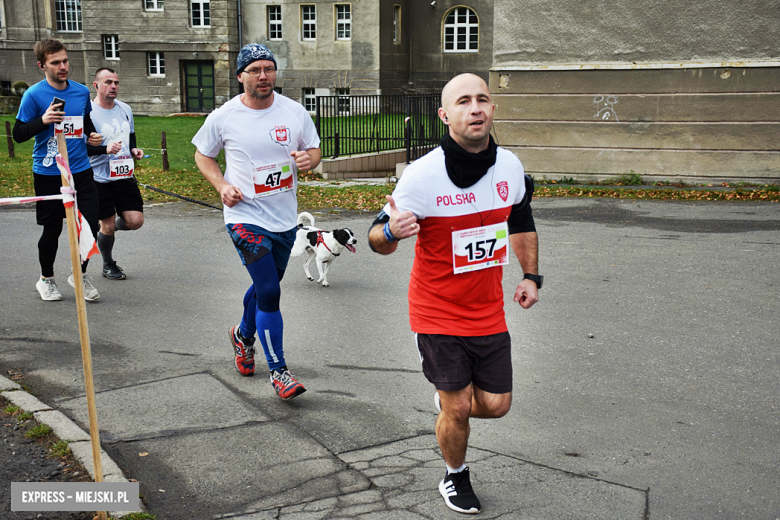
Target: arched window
[[461, 30]]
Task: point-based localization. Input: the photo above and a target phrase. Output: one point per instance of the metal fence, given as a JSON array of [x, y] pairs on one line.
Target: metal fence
[[350, 125]]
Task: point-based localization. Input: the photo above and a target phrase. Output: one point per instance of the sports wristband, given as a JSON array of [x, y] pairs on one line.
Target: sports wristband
[[388, 234]]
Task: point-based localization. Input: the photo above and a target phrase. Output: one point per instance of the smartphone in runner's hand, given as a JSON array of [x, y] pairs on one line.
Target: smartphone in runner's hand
[[58, 101]]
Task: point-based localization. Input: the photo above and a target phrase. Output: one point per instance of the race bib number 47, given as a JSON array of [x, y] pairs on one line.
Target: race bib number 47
[[479, 248], [271, 179], [72, 127]]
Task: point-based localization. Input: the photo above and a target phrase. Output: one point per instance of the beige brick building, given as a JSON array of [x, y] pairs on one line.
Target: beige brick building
[[366, 47], [171, 55]]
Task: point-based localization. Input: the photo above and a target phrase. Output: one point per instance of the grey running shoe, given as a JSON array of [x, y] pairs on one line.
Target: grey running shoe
[[113, 272], [90, 293], [458, 493], [47, 288]]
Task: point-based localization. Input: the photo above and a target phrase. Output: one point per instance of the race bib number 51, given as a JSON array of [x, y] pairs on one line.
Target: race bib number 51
[[72, 127], [271, 179], [479, 248]]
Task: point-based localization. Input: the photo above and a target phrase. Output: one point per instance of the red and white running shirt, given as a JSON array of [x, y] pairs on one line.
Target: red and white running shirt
[[441, 302]]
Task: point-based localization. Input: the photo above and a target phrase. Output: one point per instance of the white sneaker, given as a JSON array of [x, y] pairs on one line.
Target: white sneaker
[[90, 293], [47, 288]]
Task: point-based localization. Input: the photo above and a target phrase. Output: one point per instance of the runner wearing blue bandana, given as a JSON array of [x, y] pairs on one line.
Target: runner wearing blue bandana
[[267, 138]]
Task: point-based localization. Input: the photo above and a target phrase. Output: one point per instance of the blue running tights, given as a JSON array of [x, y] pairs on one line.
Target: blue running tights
[[261, 309]]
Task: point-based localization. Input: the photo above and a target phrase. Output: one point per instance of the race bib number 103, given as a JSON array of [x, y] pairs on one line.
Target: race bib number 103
[[121, 167], [480, 248]]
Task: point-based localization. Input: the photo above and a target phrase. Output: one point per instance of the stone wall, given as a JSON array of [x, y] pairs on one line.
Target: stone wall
[[9, 105], [669, 90], [685, 124]]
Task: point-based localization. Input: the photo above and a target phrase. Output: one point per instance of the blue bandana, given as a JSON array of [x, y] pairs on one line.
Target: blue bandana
[[251, 53]]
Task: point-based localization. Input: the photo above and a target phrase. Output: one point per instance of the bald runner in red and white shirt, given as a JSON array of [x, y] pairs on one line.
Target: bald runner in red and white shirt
[[441, 302]]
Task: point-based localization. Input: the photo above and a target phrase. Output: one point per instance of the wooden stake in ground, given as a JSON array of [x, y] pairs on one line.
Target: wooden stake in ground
[[86, 351], [10, 139]]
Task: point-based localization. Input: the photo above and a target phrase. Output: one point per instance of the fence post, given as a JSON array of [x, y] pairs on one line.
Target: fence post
[[164, 146], [10, 139], [408, 139], [336, 144], [408, 130], [317, 115]]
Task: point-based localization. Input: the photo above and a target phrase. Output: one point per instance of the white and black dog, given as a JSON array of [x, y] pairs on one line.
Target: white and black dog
[[325, 246]]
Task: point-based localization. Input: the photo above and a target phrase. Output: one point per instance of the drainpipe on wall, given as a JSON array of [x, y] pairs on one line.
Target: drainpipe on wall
[[240, 43], [409, 82]]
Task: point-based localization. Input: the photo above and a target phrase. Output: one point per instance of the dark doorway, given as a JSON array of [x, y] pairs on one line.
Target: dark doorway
[[199, 85]]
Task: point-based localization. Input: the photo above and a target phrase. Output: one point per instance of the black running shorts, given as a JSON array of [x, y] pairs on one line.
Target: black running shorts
[[453, 362], [119, 196], [51, 210]]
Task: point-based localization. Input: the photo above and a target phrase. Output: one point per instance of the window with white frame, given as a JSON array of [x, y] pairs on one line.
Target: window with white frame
[[111, 46], [201, 13], [343, 94], [461, 31], [156, 63], [309, 100], [154, 5], [396, 24], [68, 15], [343, 22], [274, 22], [309, 22]]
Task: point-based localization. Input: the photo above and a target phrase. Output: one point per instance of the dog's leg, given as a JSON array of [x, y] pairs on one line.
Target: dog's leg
[[324, 274], [321, 267], [309, 257]]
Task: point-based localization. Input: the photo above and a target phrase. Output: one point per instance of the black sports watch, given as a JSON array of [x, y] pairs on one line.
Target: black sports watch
[[536, 278]]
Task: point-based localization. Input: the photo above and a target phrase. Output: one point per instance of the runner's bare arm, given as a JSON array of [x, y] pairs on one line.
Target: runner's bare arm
[[209, 168], [376, 237], [526, 248], [307, 160], [400, 225]]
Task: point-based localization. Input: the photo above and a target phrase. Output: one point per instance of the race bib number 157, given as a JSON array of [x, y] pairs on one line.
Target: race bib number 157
[[479, 248]]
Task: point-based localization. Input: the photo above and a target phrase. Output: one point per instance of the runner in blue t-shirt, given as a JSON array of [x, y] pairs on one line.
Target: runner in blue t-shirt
[[40, 117]]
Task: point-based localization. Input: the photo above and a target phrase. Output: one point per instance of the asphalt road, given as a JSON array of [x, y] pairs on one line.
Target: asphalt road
[[648, 370]]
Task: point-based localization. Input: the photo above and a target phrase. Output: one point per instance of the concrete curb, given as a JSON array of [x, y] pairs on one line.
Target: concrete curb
[[78, 440]]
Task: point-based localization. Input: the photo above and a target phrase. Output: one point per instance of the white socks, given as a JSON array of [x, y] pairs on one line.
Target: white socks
[[450, 470]]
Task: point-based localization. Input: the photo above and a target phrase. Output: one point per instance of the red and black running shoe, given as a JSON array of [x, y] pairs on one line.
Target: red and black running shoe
[[245, 352], [285, 384]]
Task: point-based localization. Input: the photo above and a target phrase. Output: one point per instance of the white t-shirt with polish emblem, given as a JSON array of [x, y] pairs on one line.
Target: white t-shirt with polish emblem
[[260, 141]]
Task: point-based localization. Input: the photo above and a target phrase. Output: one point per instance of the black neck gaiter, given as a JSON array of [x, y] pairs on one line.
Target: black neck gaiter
[[464, 168]]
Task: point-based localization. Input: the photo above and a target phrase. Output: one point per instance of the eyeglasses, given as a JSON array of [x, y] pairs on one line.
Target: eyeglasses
[[255, 73]]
